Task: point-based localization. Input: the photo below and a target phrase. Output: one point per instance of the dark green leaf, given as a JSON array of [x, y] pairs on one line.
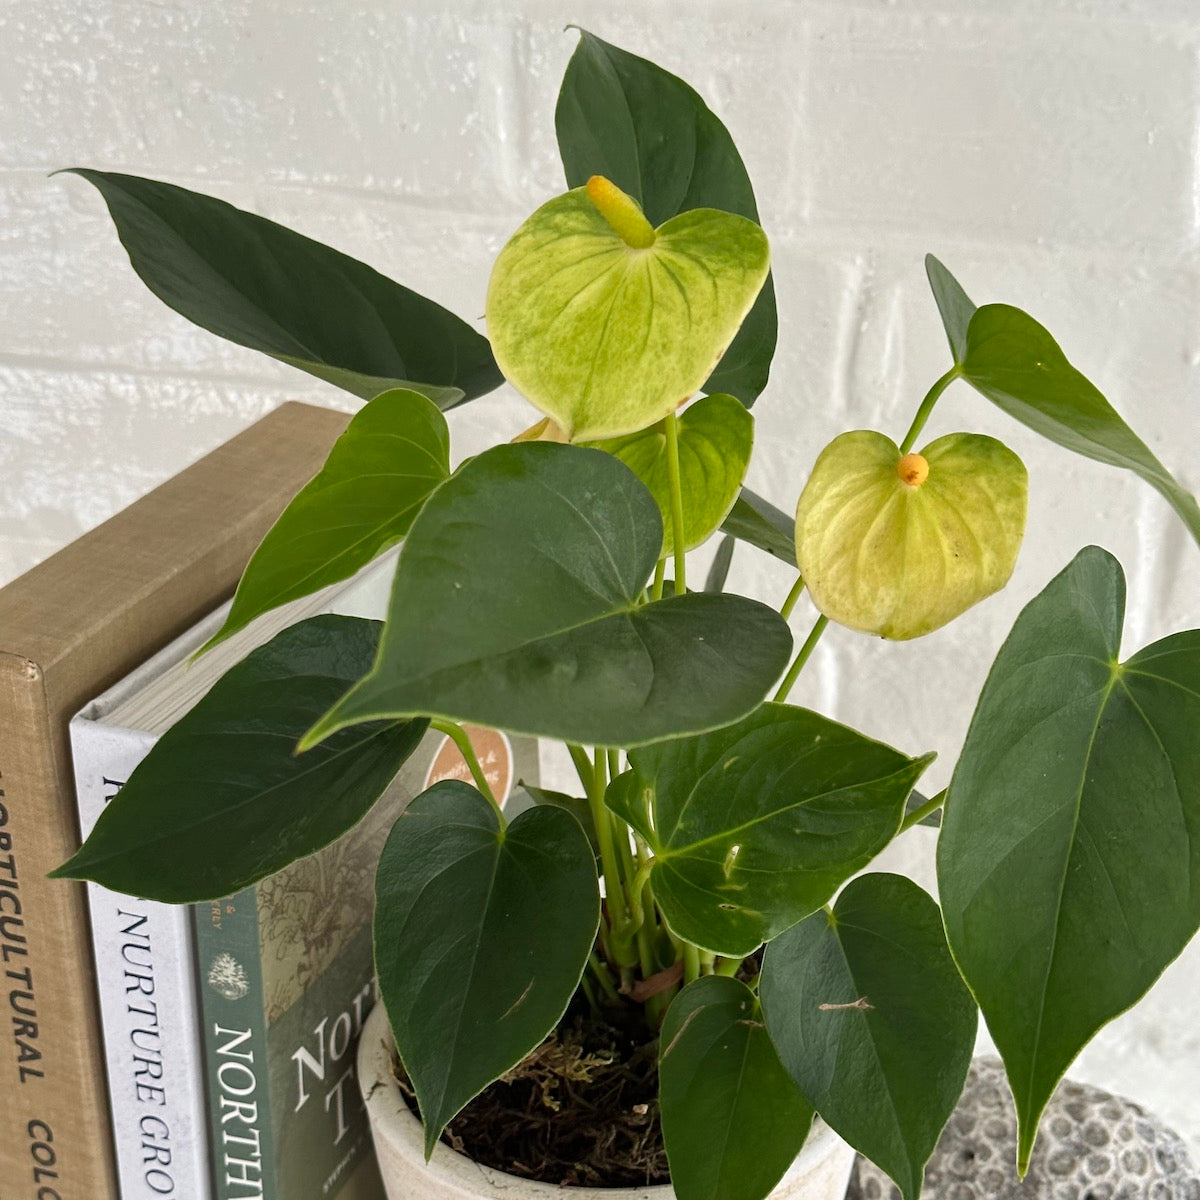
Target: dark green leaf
[[757, 521], [577, 806], [1069, 858], [481, 936], [718, 573], [627, 119], [379, 473], [222, 800], [873, 1022], [732, 1119], [755, 825], [1017, 365], [954, 305], [260, 285], [517, 606]]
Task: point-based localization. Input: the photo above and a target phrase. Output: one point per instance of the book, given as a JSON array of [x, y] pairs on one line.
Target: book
[[70, 628], [144, 951], [286, 983]]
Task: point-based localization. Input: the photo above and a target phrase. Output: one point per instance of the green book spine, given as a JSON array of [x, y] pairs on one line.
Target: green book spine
[[236, 1062]]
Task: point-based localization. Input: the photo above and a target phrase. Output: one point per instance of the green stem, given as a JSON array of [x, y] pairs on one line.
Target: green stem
[[801, 658], [728, 966], [792, 597], [582, 766], [919, 814], [660, 574], [672, 427], [931, 398], [614, 890], [603, 977], [458, 735], [614, 763], [691, 963]]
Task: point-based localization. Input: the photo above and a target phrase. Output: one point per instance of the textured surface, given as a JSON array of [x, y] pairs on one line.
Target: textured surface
[[1045, 150], [1092, 1146]]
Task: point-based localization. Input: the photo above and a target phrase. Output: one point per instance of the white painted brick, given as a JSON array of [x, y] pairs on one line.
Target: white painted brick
[[1010, 127]]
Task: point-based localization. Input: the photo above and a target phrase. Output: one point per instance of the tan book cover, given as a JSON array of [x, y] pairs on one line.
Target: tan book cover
[[70, 628]]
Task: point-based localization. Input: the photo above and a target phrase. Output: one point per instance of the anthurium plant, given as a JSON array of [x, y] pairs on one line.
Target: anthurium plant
[[708, 873]]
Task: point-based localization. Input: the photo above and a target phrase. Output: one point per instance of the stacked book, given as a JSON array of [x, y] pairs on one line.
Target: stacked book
[[197, 1052]]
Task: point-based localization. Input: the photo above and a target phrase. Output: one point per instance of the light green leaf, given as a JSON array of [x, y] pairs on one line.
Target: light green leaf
[[1017, 365], [607, 337], [755, 825], [517, 605], [759, 523], [954, 305], [732, 1118], [260, 285], [481, 936], [872, 1021], [378, 474], [222, 800], [627, 119], [1069, 857], [901, 559], [716, 436]]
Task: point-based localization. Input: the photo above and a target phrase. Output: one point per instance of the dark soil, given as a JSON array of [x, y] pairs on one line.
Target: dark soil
[[581, 1110]]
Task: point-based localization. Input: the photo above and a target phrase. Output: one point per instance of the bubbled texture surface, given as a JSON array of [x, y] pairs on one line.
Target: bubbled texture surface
[[1091, 1146], [1048, 151]]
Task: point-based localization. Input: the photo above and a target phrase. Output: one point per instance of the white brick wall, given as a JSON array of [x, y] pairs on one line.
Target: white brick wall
[[1044, 149]]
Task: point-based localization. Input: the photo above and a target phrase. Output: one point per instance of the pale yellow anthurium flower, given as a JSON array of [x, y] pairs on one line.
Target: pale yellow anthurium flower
[[606, 324], [900, 545]]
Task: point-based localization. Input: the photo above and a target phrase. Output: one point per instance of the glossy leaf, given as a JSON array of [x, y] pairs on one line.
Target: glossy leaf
[[1069, 858], [378, 474], [481, 936], [897, 559], [516, 605], [759, 523], [1010, 358], [732, 1118], [627, 119], [265, 287], [222, 800], [607, 337], [872, 1021], [716, 436], [755, 825], [954, 305]]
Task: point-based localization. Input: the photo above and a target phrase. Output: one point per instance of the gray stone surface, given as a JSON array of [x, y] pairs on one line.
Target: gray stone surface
[[1091, 1146]]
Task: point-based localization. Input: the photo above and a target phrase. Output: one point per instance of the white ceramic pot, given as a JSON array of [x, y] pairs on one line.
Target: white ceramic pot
[[821, 1172]]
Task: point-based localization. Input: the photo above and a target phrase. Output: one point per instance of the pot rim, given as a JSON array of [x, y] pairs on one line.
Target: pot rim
[[393, 1122]]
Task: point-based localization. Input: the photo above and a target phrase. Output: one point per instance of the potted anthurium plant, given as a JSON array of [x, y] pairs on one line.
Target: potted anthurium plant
[[703, 892]]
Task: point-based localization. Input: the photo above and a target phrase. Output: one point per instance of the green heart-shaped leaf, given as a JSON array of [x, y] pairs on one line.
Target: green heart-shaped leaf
[[954, 305], [607, 337], [716, 435], [732, 1118], [623, 117], [481, 936], [262, 286], [758, 522], [364, 499], [1069, 858], [755, 825], [518, 605], [901, 559], [1013, 361], [872, 1021], [222, 800]]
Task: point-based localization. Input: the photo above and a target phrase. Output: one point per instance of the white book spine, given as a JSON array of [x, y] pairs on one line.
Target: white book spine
[[146, 981]]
